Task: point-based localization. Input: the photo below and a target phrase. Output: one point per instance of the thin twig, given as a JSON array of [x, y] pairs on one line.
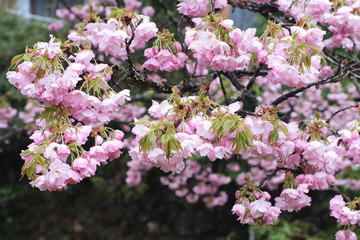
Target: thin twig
[[233, 79], [187, 75], [293, 93], [252, 80], [223, 90], [240, 73], [339, 111], [270, 175], [337, 191]]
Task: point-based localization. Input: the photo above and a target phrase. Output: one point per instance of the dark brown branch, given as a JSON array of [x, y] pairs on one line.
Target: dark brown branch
[[337, 191], [234, 80], [123, 78], [224, 90], [247, 113], [252, 80], [187, 79], [333, 78], [247, 95], [135, 74], [241, 73], [143, 79]]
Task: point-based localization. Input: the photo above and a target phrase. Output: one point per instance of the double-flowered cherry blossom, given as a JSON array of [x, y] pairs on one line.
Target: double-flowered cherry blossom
[[112, 36], [227, 49], [198, 8], [78, 102], [166, 54]]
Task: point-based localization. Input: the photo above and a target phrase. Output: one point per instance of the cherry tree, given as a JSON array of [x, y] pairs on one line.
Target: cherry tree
[[284, 101]]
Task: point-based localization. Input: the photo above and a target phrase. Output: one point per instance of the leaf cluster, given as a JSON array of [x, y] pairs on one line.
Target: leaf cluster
[[162, 135], [230, 123]]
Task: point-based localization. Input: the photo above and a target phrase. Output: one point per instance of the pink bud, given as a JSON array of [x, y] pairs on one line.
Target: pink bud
[[178, 46], [267, 196], [237, 194]]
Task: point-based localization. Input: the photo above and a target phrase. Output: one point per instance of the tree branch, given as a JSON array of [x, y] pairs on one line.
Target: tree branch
[[341, 110], [252, 80], [293, 93], [270, 175]]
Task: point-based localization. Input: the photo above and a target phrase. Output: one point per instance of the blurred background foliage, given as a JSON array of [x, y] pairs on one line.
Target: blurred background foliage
[[104, 207]]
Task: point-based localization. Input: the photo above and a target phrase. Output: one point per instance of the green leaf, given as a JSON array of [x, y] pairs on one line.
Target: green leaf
[[30, 171], [274, 136], [48, 112], [249, 134], [114, 14], [16, 60], [284, 130], [26, 153], [228, 125], [168, 124], [27, 57], [147, 142], [165, 138], [143, 122], [170, 142], [243, 141], [167, 149]]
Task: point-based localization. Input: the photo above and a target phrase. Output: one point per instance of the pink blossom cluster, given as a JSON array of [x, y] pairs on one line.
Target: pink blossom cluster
[[6, 114], [195, 137], [78, 102], [165, 59], [286, 67], [259, 167], [293, 199], [326, 99], [319, 160], [343, 214], [313, 10], [31, 111], [205, 184], [133, 4], [351, 141], [55, 26], [111, 37], [343, 20], [135, 172], [57, 161], [79, 12], [57, 87], [256, 212], [345, 235], [198, 8], [344, 24], [315, 158], [223, 54]]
